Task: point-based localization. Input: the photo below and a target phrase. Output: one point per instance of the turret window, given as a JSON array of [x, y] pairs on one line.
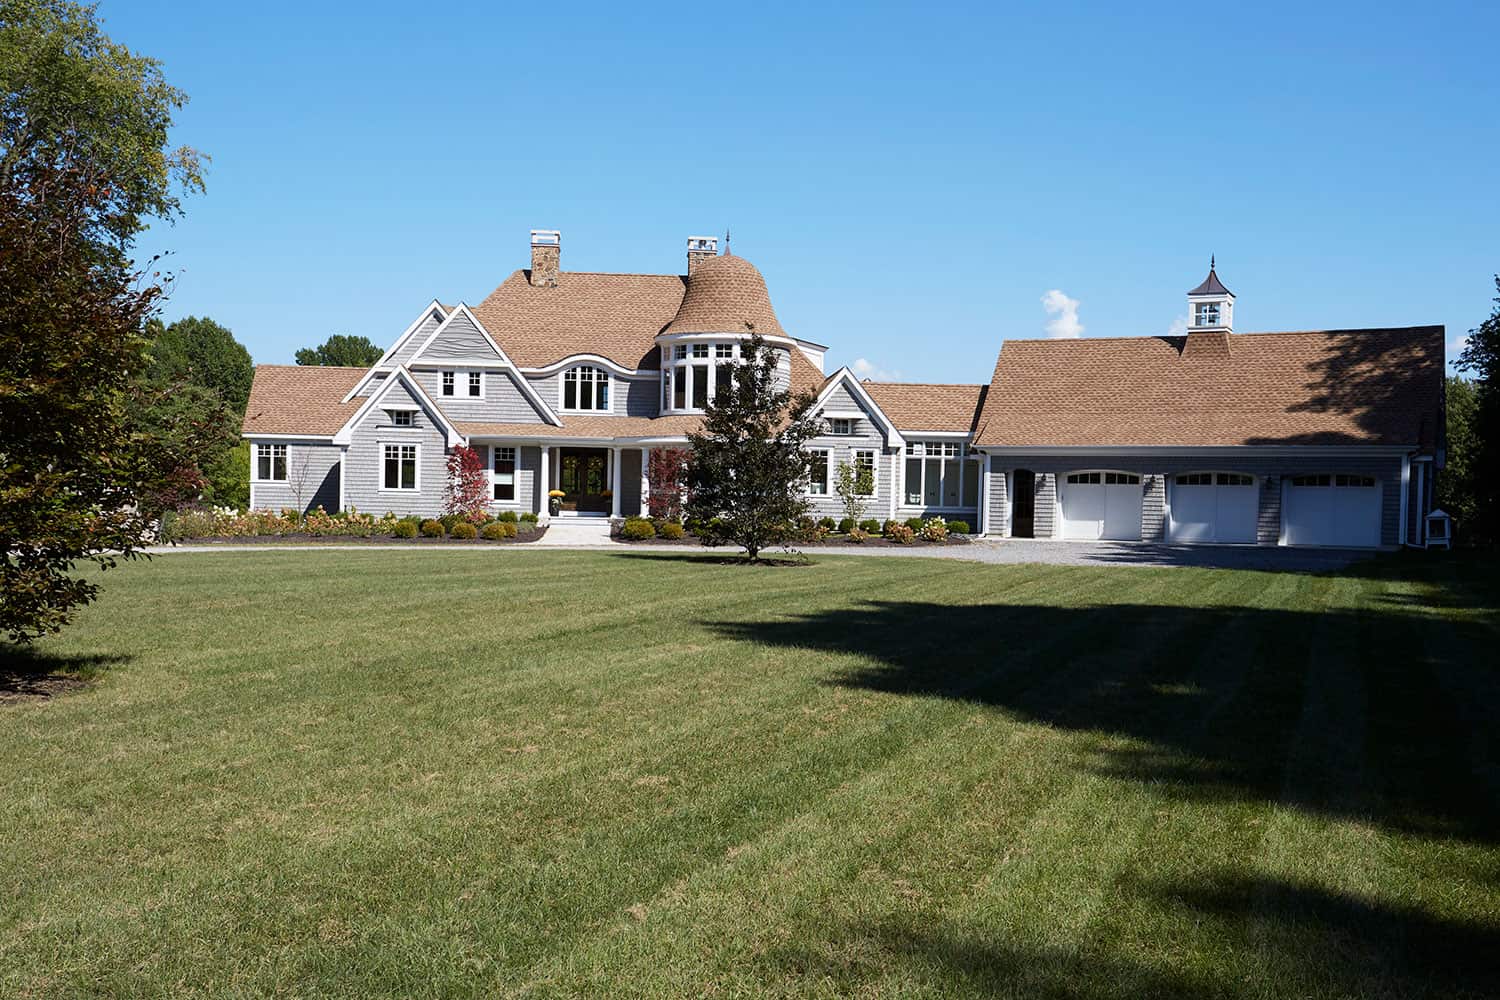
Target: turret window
[[697, 373], [585, 388]]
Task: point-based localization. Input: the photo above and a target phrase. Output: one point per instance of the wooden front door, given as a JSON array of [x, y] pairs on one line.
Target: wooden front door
[[584, 476]]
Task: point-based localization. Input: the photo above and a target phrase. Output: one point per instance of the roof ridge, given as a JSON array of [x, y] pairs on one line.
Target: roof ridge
[[1247, 333], [953, 385], [326, 368]]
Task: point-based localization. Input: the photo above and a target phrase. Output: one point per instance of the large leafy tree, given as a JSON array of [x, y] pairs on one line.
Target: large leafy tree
[[83, 163], [203, 353], [748, 469], [74, 102], [341, 349], [1481, 355], [1455, 484]]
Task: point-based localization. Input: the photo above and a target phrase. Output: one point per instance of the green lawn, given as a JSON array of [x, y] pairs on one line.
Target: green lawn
[[403, 773]]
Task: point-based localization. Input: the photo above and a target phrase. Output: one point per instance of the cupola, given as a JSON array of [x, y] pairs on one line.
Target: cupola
[[1211, 305]]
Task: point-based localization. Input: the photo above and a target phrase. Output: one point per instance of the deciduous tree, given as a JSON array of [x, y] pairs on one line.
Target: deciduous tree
[[1481, 355], [747, 472], [467, 492], [341, 349], [666, 482]]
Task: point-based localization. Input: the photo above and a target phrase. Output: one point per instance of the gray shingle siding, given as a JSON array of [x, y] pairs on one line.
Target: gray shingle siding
[[312, 469], [365, 461], [503, 401], [998, 520], [416, 340], [841, 448], [1155, 511], [631, 397], [462, 339], [630, 481], [528, 465]]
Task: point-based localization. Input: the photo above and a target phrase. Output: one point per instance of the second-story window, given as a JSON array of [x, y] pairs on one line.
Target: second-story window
[[840, 425], [476, 383], [448, 378], [585, 388], [403, 418]]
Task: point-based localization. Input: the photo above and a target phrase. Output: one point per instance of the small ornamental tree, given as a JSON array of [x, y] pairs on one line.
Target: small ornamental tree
[[666, 478], [467, 492], [748, 467], [855, 486]]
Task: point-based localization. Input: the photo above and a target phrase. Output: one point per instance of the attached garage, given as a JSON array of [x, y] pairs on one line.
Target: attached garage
[[1213, 507], [1097, 505], [1332, 509]]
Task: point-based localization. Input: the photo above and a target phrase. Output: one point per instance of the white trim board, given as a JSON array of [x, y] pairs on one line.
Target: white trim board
[[893, 438], [452, 435]]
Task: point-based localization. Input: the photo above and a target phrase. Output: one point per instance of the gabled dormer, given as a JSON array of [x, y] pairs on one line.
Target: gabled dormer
[[1211, 305]]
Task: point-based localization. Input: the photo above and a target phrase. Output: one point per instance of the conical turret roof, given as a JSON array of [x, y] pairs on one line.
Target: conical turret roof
[[726, 294]]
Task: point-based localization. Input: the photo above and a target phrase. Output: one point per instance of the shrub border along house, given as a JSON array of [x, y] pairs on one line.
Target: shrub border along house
[[220, 524], [809, 532]]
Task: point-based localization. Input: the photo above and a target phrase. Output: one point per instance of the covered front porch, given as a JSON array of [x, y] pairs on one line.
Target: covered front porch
[[597, 479]]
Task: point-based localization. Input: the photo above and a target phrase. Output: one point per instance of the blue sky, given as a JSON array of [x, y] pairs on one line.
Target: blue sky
[[913, 181]]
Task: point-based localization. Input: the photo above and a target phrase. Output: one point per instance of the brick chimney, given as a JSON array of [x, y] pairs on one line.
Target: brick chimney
[[700, 249], [546, 257]]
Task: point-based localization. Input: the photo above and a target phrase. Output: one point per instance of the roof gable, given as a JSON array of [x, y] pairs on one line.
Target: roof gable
[[412, 392], [1352, 387], [844, 383]]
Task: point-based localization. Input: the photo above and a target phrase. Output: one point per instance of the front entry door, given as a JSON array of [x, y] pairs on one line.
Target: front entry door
[[1024, 522], [583, 476]]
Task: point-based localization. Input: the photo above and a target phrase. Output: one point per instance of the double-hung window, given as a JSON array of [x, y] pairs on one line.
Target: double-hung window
[[476, 384], [270, 463], [817, 480], [448, 381], [403, 418], [696, 374], [504, 465], [400, 472], [864, 462], [585, 388], [840, 425]]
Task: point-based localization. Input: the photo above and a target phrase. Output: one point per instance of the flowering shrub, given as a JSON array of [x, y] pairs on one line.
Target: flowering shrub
[[935, 529], [900, 534], [858, 535]]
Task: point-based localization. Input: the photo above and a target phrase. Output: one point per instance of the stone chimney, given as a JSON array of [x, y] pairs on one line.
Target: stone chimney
[[700, 249], [546, 257]]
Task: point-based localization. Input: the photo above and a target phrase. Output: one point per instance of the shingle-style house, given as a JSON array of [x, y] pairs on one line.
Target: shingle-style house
[[567, 380]]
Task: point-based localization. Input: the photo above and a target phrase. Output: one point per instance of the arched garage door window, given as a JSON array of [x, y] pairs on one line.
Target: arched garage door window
[[1100, 504]]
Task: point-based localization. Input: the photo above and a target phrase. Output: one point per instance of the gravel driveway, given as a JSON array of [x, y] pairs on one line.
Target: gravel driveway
[[1024, 550]]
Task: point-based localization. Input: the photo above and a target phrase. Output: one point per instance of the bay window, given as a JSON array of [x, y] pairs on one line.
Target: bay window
[[697, 373]]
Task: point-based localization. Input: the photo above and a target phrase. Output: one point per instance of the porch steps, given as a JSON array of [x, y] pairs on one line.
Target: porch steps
[[575, 532]]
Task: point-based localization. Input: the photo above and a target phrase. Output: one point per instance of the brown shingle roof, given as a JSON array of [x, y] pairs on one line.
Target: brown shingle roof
[[300, 399], [614, 315], [1380, 386], [928, 406], [726, 295]]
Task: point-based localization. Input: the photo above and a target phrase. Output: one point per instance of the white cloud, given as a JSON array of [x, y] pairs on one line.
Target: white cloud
[[1456, 345], [866, 369], [1064, 312], [1178, 327]]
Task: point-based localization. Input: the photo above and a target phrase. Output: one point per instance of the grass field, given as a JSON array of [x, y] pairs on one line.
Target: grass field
[[387, 773]]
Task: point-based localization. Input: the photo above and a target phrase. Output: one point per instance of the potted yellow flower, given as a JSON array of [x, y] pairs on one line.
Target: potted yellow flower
[[554, 503]]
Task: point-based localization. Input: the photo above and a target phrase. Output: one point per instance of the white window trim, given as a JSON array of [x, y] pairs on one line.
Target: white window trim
[[848, 423], [469, 374], [964, 457], [392, 411], [417, 468], [712, 362], [609, 379], [515, 476], [874, 454], [443, 383], [827, 454], [286, 462]]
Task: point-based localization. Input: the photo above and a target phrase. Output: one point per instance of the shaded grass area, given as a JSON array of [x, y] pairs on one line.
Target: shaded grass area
[[533, 774]]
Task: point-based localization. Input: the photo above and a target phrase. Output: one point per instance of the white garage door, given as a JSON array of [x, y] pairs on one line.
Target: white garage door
[[1101, 505], [1332, 509], [1213, 507]]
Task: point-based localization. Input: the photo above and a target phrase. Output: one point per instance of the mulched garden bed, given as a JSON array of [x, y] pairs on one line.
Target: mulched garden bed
[[832, 541], [304, 539]]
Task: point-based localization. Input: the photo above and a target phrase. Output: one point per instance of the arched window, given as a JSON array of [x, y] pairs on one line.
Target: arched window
[[585, 388]]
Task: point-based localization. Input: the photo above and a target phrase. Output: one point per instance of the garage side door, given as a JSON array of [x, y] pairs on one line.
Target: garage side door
[[1332, 509]]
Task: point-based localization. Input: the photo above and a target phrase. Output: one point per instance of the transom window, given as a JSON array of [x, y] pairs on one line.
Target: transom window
[[722, 351], [1195, 479], [1206, 314], [1233, 479], [840, 425], [585, 388], [1340, 479], [817, 483], [448, 380], [941, 474], [503, 466], [1363, 481], [403, 418], [865, 461], [1106, 478], [270, 463], [400, 467], [476, 383]]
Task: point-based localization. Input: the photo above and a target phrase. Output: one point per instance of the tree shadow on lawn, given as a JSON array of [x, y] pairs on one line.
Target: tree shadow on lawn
[[1382, 717], [27, 673], [1297, 939]]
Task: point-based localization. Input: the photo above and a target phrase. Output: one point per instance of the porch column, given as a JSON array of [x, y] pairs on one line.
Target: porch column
[[546, 484], [615, 482], [645, 482]]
